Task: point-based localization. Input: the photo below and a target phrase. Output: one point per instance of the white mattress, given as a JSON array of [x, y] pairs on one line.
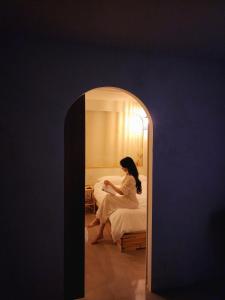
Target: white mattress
[[124, 220]]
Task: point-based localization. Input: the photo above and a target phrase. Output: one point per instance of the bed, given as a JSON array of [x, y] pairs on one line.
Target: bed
[[128, 226]]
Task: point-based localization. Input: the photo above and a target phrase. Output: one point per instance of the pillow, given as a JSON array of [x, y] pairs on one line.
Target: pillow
[[114, 179]]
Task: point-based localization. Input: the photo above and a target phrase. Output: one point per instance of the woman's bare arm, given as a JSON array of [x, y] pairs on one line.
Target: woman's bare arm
[[107, 182]]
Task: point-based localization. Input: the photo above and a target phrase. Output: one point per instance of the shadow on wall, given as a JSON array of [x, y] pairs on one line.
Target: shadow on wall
[[217, 230]]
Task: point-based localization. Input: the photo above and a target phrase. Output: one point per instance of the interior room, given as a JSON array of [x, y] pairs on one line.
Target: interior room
[[116, 126], [171, 54]]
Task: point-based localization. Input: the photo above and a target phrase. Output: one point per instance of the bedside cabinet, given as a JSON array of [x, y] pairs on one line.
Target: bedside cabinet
[[89, 199]]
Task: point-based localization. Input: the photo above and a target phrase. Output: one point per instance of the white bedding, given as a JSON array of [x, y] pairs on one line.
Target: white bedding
[[124, 220]]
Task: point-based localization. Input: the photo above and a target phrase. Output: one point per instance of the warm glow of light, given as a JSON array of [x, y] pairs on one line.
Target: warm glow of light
[[136, 125], [140, 111]]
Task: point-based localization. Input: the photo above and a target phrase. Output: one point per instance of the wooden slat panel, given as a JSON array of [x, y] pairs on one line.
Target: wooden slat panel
[[132, 241]]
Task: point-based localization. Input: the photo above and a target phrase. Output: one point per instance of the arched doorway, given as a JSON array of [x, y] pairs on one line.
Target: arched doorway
[[74, 183]]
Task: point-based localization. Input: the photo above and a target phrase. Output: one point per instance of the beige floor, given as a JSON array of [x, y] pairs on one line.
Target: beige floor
[[112, 275]]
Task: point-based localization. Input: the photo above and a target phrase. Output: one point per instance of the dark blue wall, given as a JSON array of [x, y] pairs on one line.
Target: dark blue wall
[[41, 80]]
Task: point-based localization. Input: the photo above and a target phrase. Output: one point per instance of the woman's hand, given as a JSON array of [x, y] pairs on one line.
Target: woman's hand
[[107, 182]]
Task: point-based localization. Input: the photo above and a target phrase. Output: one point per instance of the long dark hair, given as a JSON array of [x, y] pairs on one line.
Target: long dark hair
[[129, 164]]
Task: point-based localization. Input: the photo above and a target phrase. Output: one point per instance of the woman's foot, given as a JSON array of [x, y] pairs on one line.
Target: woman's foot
[[95, 222], [97, 238]]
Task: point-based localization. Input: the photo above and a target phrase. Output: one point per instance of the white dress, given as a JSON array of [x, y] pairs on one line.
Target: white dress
[[112, 202]]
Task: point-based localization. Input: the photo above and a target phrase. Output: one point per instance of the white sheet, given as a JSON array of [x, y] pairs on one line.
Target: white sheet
[[125, 220]]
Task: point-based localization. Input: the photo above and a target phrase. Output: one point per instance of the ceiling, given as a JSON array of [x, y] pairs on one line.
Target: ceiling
[[109, 93], [173, 25]]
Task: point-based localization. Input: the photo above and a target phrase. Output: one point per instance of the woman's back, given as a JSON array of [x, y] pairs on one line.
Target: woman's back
[[128, 187]]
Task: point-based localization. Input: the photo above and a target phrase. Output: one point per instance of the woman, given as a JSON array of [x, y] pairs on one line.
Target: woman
[[126, 199]]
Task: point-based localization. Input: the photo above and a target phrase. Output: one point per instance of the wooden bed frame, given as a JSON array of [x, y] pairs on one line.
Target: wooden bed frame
[[132, 241], [129, 241]]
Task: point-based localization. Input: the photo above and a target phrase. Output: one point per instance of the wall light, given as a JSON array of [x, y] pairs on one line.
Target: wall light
[[135, 125]]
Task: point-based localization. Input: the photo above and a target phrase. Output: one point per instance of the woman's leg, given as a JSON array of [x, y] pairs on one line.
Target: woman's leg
[[95, 222], [99, 215], [102, 215], [99, 235]]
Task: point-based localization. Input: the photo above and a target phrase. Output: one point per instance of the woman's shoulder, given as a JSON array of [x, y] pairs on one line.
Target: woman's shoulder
[[130, 177]]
